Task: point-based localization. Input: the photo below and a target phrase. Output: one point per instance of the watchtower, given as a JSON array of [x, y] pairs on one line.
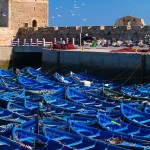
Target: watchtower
[[23, 13]]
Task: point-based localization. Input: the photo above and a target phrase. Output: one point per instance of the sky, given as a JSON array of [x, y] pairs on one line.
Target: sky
[[95, 12]]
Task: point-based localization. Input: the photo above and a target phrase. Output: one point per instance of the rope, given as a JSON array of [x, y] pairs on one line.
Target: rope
[[51, 69], [131, 74], [125, 71]]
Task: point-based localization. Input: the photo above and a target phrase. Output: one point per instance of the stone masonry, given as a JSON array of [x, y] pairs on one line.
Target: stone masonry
[[29, 19], [123, 33], [21, 13]]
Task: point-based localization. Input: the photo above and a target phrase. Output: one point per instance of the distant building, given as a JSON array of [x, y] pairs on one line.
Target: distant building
[[130, 21]]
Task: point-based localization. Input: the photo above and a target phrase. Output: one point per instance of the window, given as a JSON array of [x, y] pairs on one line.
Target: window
[[34, 23], [25, 25]]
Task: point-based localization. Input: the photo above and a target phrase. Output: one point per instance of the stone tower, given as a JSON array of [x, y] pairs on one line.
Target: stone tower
[[23, 13], [28, 13], [15, 14]]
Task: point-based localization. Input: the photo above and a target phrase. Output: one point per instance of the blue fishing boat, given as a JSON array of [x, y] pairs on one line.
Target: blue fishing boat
[[37, 73], [63, 79], [8, 144], [143, 89], [31, 125], [147, 109], [11, 86], [53, 122], [19, 109], [9, 117], [35, 141], [122, 128], [81, 108], [114, 94], [76, 141], [83, 76], [113, 99], [134, 116], [74, 95], [6, 74], [136, 94], [94, 80], [33, 86], [100, 135], [7, 97], [49, 82], [64, 106], [90, 121]]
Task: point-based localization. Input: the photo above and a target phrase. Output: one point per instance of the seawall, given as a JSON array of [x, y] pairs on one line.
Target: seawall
[[6, 57], [99, 62]]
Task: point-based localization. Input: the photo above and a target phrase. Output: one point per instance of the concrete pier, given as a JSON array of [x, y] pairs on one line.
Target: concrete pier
[[98, 62]]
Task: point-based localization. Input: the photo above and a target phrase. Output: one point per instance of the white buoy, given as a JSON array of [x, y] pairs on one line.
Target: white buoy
[[85, 83]]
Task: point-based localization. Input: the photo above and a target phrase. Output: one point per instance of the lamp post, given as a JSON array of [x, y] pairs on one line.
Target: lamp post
[[80, 36]]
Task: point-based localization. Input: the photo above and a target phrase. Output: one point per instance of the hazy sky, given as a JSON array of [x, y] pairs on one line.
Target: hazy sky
[[95, 12]]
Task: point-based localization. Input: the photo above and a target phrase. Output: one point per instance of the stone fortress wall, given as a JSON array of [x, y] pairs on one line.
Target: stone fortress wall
[[125, 28], [122, 33], [25, 19]]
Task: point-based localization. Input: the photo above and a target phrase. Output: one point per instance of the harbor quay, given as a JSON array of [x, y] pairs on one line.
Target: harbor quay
[[100, 62]]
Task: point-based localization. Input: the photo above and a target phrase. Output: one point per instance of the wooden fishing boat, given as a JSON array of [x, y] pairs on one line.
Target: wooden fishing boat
[[16, 108], [64, 106], [147, 109], [11, 95], [135, 94], [11, 86], [80, 108], [100, 135], [31, 125], [114, 94], [143, 89], [107, 98], [52, 122], [28, 82], [37, 73], [3, 89], [90, 121], [35, 141], [51, 110], [63, 79], [33, 86], [122, 128], [49, 82], [6, 74], [8, 144], [84, 76], [95, 81], [76, 141], [74, 95], [135, 116], [9, 117]]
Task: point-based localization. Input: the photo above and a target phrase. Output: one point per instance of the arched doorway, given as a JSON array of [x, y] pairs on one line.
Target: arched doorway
[[34, 23]]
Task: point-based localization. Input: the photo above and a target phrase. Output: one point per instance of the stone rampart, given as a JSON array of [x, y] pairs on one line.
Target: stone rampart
[[136, 33]]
